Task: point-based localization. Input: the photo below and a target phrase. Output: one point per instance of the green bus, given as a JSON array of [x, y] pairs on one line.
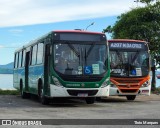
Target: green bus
[[71, 63]]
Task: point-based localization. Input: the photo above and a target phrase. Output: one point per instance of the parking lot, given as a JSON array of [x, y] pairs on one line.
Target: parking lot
[[112, 107], [144, 107]]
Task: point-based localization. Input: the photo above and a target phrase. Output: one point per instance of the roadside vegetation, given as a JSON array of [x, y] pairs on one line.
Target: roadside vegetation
[[9, 92], [157, 91], [141, 23]]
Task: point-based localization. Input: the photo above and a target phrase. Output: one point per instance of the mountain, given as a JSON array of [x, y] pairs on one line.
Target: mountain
[[7, 66], [6, 69]]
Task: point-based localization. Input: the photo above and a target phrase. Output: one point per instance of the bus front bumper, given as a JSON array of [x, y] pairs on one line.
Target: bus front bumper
[[59, 91], [114, 91]]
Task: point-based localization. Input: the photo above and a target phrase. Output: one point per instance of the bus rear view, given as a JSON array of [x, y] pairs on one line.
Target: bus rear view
[[129, 63]]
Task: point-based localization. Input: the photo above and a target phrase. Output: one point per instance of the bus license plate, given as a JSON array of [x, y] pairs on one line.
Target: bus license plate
[[145, 91], [82, 94]]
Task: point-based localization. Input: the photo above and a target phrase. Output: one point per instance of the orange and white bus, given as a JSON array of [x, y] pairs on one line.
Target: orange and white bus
[[130, 68]]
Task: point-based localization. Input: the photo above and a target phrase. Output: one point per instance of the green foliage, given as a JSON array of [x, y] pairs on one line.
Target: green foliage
[[157, 91], [146, 1], [108, 29], [9, 92], [141, 23]]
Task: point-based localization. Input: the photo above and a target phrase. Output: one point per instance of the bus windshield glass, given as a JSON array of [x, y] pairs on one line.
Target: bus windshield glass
[[129, 63], [80, 58]]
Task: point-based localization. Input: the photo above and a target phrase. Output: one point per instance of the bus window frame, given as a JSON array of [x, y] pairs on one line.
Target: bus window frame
[[17, 60], [42, 58], [20, 59], [31, 60], [24, 57]]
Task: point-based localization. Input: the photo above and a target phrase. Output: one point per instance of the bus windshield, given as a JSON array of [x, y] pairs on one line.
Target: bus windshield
[[83, 58], [131, 63]]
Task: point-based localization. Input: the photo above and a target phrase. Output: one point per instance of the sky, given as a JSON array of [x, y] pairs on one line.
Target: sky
[[24, 20]]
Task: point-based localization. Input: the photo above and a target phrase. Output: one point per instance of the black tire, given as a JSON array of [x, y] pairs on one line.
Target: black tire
[[98, 98], [24, 95], [90, 100], [44, 100], [131, 97]]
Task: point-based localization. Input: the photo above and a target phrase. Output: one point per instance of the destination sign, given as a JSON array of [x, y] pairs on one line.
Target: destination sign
[[82, 37], [121, 45]]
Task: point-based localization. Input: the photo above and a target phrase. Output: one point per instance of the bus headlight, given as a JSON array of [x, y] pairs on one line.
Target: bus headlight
[[105, 83], [56, 81], [145, 84], [113, 85]]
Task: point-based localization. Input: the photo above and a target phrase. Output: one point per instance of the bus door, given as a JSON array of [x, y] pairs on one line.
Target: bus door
[[47, 66], [27, 69]]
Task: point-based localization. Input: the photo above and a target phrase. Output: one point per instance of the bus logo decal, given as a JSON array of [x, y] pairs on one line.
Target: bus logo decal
[[82, 85]]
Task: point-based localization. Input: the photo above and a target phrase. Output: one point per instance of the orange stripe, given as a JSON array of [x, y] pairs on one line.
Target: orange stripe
[[129, 85]]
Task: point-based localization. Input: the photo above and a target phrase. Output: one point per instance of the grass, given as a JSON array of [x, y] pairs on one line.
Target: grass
[[9, 92], [156, 91]]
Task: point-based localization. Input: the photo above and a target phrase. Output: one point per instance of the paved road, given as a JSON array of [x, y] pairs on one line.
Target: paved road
[[144, 107]]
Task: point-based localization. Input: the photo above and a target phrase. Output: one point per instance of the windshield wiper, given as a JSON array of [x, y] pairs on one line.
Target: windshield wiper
[[85, 56], [73, 49], [89, 51], [122, 63], [135, 56], [119, 56]]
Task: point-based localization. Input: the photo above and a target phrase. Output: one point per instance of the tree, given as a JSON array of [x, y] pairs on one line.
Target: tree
[[141, 23], [146, 1]]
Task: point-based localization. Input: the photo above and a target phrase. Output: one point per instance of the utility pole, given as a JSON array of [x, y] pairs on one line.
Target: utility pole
[[89, 25]]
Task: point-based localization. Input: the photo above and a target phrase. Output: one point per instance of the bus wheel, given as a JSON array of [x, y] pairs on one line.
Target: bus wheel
[[98, 98], [42, 98], [24, 95], [90, 100], [131, 97]]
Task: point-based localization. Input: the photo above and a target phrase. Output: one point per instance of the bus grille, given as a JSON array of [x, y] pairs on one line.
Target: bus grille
[[76, 92], [128, 90], [126, 86], [128, 81], [80, 79], [85, 78]]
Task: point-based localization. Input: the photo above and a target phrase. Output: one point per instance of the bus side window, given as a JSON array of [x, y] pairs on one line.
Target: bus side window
[[34, 55], [23, 60], [40, 53], [15, 60], [20, 59]]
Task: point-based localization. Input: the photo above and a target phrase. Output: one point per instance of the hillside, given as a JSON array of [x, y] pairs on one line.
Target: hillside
[[7, 66], [6, 69]]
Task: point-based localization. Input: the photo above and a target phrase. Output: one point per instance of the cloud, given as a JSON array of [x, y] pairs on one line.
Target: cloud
[[1, 46], [15, 31], [29, 12], [10, 46]]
